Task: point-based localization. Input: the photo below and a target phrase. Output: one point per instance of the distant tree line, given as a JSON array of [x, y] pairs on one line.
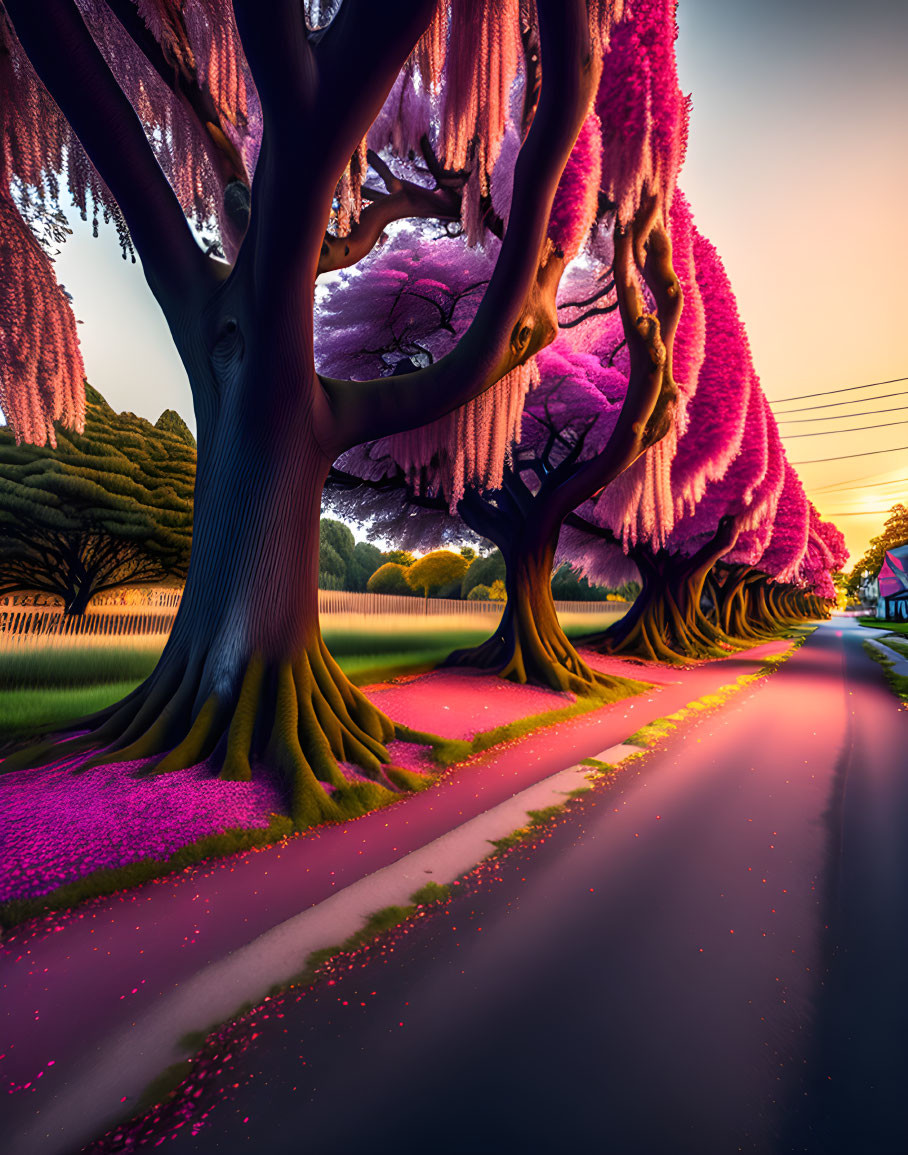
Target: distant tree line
[[895, 533], [358, 566]]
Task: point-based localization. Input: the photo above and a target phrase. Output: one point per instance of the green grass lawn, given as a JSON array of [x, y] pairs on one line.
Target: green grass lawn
[[45, 687], [879, 624]]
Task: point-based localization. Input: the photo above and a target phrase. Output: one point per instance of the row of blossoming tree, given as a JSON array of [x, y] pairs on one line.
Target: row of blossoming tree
[[436, 231]]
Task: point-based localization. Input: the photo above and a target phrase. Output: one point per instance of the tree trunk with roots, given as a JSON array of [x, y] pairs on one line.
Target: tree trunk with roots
[[667, 622], [528, 644], [245, 678], [733, 604]]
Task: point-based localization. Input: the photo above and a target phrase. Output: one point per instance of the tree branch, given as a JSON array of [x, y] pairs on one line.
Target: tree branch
[[516, 316], [359, 58], [74, 71], [586, 316], [403, 201], [648, 407], [183, 82]]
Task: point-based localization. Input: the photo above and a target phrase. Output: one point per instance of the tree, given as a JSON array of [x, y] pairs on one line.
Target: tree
[[633, 165], [895, 533], [390, 578], [335, 554], [401, 557], [439, 568], [258, 128], [366, 560], [108, 507], [483, 570]]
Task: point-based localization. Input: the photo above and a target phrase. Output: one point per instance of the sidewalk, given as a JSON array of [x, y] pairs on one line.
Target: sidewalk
[[82, 990]]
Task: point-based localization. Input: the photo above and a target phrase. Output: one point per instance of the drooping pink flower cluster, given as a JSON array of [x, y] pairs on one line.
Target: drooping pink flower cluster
[[783, 555], [644, 115], [756, 525], [576, 202], [639, 505], [201, 40], [825, 555], [41, 371]]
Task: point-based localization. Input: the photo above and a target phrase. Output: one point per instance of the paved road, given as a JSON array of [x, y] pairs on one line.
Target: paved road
[[706, 957], [122, 955]]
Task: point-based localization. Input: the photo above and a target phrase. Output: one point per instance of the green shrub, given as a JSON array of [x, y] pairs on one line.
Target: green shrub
[[389, 578]]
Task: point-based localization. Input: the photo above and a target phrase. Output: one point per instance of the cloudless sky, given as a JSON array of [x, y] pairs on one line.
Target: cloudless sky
[[797, 171]]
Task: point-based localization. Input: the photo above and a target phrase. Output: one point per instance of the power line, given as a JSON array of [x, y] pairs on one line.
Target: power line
[[869, 485], [839, 404], [847, 456], [836, 432], [859, 513], [849, 389], [842, 417]]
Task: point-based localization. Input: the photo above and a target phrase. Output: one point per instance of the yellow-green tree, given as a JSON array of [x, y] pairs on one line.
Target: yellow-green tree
[[441, 567]]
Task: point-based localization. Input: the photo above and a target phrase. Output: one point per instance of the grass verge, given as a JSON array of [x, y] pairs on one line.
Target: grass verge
[[445, 753], [654, 732], [898, 682], [882, 624], [44, 688], [448, 751], [31, 711]]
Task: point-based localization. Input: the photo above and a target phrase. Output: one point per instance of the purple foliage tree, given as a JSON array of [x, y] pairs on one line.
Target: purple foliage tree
[[586, 422]]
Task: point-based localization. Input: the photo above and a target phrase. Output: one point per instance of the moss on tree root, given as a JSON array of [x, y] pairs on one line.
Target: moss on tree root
[[300, 717]]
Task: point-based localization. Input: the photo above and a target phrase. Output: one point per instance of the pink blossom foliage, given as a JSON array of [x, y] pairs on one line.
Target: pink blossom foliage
[[639, 505], [601, 563], [207, 46], [783, 555], [717, 409], [413, 298], [834, 544], [756, 527], [643, 112], [41, 380], [732, 494], [576, 396], [577, 196], [689, 346], [41, 370], [825, 554]]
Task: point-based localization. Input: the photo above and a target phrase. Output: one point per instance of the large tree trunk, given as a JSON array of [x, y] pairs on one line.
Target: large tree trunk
[[245, 677], [76, 602], [734, 614], [667, 622], [528, 644]]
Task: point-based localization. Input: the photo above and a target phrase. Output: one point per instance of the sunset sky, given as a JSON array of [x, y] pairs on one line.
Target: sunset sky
[[797, 171]]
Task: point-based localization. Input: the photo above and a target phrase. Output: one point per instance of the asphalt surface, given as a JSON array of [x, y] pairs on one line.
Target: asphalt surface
[[706, 955], [71, 981]]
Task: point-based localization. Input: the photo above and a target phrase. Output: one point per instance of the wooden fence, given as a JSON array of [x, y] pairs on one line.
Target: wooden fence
[[38, 623]]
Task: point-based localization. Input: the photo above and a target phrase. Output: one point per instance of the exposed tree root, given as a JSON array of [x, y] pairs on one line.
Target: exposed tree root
[[530, 651], [298, 717]]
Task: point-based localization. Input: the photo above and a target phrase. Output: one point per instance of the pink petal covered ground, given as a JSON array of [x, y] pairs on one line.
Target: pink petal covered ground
[[58, 826]]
